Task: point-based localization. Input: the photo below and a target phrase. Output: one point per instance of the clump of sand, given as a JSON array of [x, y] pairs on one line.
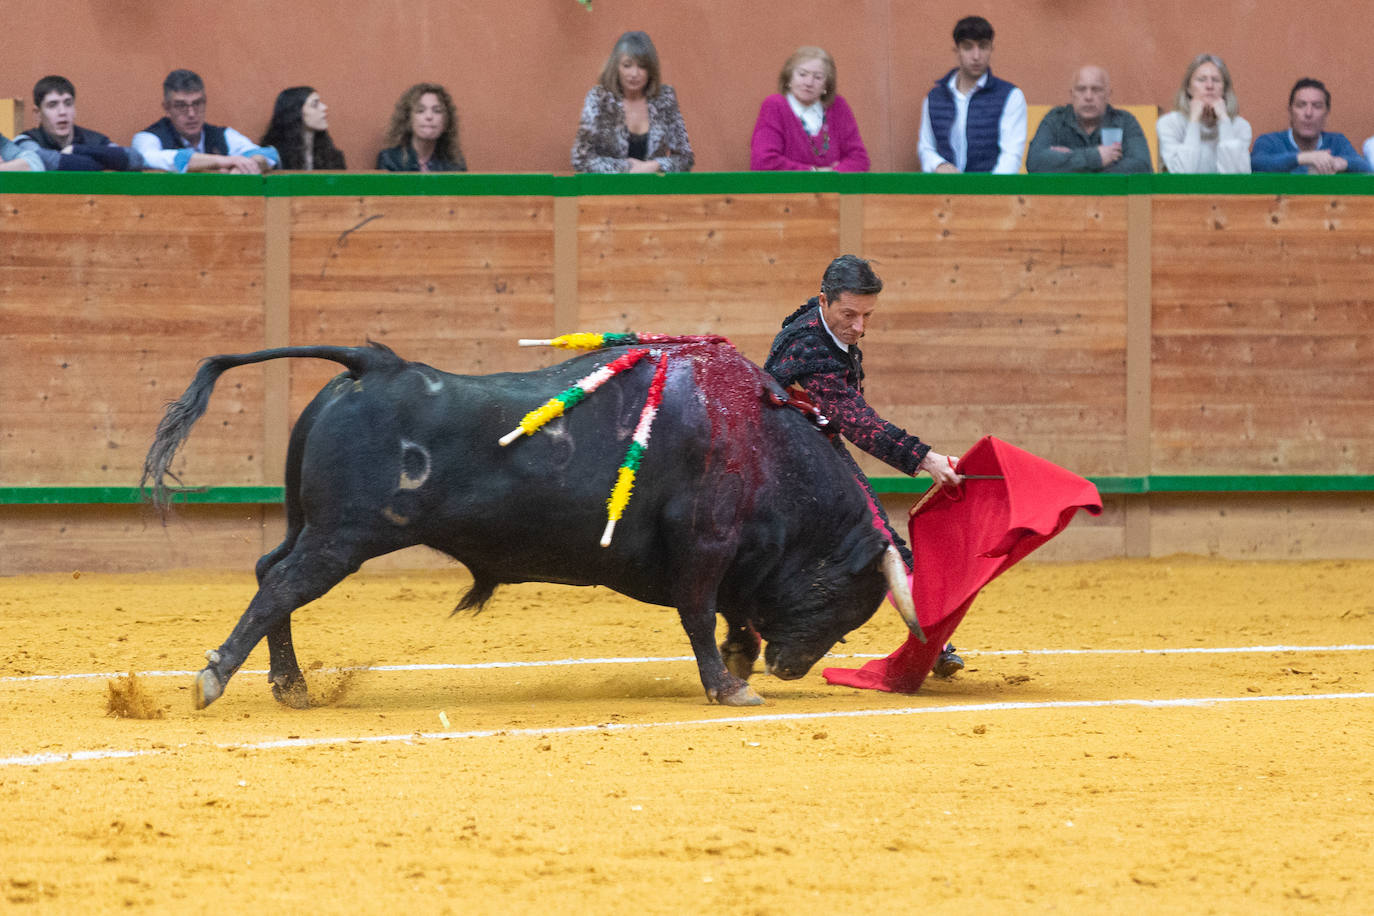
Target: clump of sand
[[128, 699], [332, 686]]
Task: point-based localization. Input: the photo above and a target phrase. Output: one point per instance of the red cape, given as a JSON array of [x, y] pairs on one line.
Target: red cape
[[965, 537]]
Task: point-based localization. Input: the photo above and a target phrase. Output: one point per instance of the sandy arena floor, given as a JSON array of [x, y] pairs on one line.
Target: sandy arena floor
[[1032, 782]]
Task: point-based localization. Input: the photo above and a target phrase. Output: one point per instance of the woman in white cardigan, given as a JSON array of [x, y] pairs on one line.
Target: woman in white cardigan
[[1204, 133]]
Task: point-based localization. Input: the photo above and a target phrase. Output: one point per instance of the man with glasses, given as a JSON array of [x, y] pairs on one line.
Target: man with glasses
[[183, 142]]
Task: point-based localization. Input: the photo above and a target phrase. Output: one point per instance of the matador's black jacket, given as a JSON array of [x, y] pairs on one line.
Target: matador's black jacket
[[806, 355]]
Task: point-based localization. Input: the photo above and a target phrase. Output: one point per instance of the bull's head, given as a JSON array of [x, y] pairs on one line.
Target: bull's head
[[841, 594]]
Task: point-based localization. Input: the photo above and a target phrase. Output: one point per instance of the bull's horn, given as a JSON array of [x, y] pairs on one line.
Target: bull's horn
[[895, 571]]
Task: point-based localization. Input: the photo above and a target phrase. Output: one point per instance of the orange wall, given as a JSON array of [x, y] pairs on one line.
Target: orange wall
[[518, 71]]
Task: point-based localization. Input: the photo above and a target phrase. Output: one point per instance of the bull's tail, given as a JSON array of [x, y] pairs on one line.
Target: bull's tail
[[182, 413]]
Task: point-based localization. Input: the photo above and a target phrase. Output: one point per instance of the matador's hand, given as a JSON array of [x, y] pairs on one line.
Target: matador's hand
[[941, 469]]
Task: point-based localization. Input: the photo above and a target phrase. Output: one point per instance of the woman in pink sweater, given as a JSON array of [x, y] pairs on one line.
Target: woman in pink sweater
[[806, 125]]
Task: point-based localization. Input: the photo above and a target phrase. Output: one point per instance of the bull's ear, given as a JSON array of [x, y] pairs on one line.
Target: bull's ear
[[861, 548]]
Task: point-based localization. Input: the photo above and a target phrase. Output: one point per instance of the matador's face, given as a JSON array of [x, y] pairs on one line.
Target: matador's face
[[848, 314]]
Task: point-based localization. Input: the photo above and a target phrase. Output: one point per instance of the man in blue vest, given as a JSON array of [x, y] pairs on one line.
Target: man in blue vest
[[183, 142], [971, 120]]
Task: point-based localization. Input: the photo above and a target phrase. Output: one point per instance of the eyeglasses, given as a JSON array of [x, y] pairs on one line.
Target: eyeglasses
[[181, 107]]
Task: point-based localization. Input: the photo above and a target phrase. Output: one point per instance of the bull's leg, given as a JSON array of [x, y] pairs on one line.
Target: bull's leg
[[275, 555], [305, 574], [288, 683], [699, 620], [741, 647]]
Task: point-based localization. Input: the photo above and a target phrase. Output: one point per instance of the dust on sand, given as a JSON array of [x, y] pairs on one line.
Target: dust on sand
[[128, 699]]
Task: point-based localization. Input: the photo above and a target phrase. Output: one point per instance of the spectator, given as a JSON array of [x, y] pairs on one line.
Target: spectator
[[806, 125], [64, 145], [299, 131], [630, 119], [182, 142], [1204, 133], [1072, 137], [423, 133], [1306, 147], [972, 121], [14, 159]]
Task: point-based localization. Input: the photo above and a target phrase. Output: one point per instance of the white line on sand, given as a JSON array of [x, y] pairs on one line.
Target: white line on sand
[[70, 756], [567, 662]]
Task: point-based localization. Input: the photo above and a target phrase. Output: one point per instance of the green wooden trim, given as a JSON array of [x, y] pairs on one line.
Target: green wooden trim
[[465, 184], [711, 183], [133, 184], [1269, 184], [409, 184], [997, 185], [1187, 483], [1129, 486], [1106, 485], [93, 496], [1261, 483]]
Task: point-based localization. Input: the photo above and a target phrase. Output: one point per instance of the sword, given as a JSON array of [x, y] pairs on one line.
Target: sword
[[935, 488]]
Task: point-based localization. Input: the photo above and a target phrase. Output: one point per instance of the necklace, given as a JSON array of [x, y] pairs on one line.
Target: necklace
[[825, 144]]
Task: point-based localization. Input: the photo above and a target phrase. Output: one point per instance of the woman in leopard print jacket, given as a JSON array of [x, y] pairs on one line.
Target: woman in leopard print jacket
[[630, 119]]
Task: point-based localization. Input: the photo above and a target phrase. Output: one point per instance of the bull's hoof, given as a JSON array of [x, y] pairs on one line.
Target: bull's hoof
[[743, 696], [208, 688], [291, 692]]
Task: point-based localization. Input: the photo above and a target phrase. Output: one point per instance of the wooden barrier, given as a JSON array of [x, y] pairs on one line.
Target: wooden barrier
[[1127, 329]]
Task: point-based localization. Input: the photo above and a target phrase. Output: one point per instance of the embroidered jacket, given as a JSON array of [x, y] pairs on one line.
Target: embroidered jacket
[[805, 354]]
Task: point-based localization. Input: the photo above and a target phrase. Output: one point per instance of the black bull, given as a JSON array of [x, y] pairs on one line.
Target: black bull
[[739, 508]]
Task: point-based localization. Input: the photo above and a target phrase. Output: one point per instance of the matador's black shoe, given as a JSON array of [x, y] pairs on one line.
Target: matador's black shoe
[[948, 663]]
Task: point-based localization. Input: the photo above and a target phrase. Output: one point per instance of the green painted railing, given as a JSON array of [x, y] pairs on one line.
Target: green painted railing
[[1129, 486], [357, 184]]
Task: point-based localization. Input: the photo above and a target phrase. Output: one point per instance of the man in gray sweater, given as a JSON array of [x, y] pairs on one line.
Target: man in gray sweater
[[1088, 134]]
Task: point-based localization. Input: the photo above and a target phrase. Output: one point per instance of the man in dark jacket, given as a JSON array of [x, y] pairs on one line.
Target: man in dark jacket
[[818, 351], [183, 141], [64, 145], [971, 120]]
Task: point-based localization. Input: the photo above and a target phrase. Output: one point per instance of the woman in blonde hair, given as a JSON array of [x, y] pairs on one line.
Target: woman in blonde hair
[[423, 134], [630, 119], [807, 125], [1204, 133]]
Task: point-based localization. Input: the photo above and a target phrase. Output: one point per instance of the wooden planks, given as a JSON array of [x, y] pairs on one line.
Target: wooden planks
[[1120, 335], [1263, 335], [131, 538], [1002, 316], [703, 264], [451, 281], [1292, 526], [109, 302]]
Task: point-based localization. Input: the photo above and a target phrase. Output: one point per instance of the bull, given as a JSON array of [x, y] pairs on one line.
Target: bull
[[740, 508]]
